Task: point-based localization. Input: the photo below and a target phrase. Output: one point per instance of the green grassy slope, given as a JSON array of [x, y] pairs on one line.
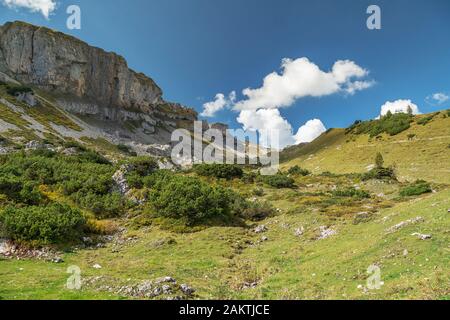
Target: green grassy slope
[[426, 156], [218, 261]]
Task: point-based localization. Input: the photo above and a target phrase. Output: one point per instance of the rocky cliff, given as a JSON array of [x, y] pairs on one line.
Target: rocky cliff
[[89, 82], [62, 64]]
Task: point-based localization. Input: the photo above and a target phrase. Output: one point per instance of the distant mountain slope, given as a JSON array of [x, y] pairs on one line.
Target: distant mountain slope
[[420, 152]]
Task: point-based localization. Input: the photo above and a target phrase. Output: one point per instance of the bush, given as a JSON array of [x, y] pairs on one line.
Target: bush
[[425, 120], [74, 144], [25, 192], [297, 171], [143, 166], [52, 224], [257, 211], [160, 176], [102, 205], [190, 199], [278, 181], [92, 156], [351, 193], [380, 174], [249, 177], [391, 124], [259, 192], [88, 184], [416, 189], [220, 171]]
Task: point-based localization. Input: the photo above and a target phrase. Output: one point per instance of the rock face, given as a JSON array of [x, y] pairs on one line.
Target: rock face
[[125, 106], [59, 63]]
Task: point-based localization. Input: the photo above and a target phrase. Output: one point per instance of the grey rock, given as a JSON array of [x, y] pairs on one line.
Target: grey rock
[[260, 229], [33, 145], [325, 233], [57, 260], [157, 291], [166, 289], [166, 280], [187, 290], [422, 236], [70, 151], [28, 98], [403, 224], [299, 231]]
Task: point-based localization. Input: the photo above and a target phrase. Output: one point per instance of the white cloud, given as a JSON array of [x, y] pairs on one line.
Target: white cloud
[[302, 78], [310, 131], [220, 102], [267, 122], [298, 78], [437, 99], [46, 7], [399, 106]]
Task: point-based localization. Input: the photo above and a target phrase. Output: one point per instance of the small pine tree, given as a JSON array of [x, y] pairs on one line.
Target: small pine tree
[[379, 161]]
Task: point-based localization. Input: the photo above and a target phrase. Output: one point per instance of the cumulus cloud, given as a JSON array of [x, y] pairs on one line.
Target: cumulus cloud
[[46, 7], [299, 78], [302, 78], [437, 99], [267, 122], [310, 131], [220, 102], [399, 106]]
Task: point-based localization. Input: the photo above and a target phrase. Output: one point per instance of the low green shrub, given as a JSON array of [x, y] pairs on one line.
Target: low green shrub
[[143, 166], [51, 224], [425, 120], [220, 171], [297, 171], [351, 193], [249, 177], [278, 181], [92, 156], [190, 199], [259, 192], [19, 191], [256, 211], [160, 176], [380, 174], [391, 124], [416, 189], [88, 184]]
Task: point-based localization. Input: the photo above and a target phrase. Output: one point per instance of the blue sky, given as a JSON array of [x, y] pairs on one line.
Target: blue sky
[[195, 49]]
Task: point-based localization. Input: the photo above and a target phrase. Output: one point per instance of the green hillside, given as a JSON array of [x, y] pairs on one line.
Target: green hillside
[[230, 262], [225, 231], [420, 152]]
